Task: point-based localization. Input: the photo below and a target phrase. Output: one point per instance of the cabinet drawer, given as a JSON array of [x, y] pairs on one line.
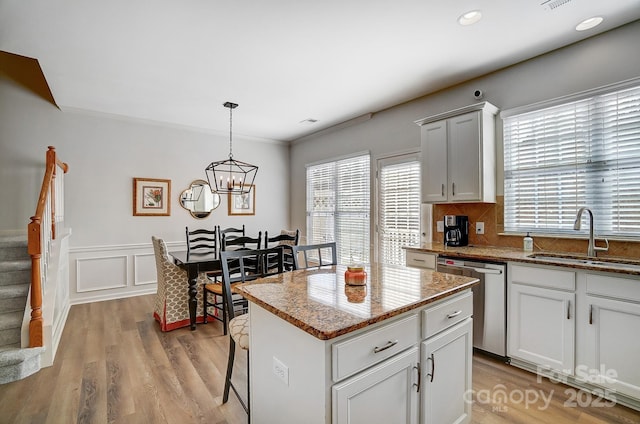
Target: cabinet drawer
[[446, 314], [360, 352], [543, 277], [421, 260], [616, 287]]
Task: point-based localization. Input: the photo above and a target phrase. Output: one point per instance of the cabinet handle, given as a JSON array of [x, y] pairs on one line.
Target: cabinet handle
[[568, 309], [433, 367], [455, 314], [385, 347], [453, 189], [590, 314], [442, 190], [418, 260], [417, 367]]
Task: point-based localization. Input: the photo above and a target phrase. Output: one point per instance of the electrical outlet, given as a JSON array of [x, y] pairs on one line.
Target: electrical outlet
[[281, 370], [440, 226], [479, 227]]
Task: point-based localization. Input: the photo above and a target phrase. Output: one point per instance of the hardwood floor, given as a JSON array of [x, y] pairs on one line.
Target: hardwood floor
[[115, 366]]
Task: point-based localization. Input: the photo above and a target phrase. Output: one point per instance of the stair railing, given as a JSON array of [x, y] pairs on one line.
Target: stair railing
[[40, 233]]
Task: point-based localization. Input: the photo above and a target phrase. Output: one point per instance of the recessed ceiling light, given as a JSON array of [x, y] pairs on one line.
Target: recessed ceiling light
[[589, 23], [470, 18]]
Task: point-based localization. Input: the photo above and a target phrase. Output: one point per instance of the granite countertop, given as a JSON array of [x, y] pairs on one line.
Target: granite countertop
[[627, 266], [320, 303]]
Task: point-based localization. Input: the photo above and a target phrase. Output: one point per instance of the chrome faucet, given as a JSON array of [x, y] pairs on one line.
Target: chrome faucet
[[591, 249]]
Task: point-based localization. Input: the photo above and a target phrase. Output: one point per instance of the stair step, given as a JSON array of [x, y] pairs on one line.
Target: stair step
[[9, 320], [15, 265], [12, 248], [9, 278], [16, 364], [10, 337], [13, 304], [13, 290]]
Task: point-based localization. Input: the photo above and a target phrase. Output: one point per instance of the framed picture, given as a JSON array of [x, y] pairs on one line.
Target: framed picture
[[243, 204], [151, 197]]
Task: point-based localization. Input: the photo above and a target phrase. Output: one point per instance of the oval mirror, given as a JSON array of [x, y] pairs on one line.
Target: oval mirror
[[199, 200]]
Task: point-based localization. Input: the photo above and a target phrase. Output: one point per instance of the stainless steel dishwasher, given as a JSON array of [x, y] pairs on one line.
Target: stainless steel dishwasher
[[489, 301]]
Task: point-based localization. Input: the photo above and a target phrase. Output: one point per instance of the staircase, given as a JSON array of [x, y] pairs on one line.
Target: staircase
[[15, 278]]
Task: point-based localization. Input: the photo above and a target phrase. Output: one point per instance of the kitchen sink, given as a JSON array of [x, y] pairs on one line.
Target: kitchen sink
[[598, 262]]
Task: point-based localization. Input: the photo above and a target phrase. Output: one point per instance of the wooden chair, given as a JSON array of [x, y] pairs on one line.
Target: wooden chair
[[230, 232], [314, 255], [285, 238], [202, 240], [229, 242], [171, 308], [238, 267]]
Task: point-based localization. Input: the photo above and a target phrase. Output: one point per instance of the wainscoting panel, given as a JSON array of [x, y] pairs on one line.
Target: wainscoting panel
[[144, 269], [99, 273]]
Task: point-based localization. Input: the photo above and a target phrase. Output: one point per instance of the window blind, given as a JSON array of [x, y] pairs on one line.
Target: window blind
[[338, 206], [581, 153], [398, 208]]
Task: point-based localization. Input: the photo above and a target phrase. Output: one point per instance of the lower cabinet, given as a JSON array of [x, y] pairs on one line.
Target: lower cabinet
[[608, 351], [542, 327], [386, 393], [446, 361]]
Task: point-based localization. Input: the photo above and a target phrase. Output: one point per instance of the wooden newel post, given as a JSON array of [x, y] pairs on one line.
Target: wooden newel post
[[33, 246]]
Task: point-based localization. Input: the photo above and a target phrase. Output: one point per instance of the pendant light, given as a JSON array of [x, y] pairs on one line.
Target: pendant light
[[230, 175]]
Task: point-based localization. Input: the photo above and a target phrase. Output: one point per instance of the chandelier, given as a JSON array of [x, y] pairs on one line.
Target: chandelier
[[230, 175]]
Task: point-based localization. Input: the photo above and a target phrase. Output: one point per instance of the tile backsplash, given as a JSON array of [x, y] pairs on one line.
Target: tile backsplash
[[492, 214]]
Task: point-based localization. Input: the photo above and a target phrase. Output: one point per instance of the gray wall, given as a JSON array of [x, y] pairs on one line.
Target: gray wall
[[608, 58], [110, 249], [104, 154]]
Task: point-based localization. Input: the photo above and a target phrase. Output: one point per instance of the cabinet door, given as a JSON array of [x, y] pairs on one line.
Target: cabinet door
[[611, 350], [446, 376], [541, 327], [434, 162], [464, 157], [386, 393]]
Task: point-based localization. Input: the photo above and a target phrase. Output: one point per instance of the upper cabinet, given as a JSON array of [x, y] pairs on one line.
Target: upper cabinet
[[458, 155]]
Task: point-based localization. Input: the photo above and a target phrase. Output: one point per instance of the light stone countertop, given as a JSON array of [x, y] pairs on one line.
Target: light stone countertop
[[320, 303], [509, 254]]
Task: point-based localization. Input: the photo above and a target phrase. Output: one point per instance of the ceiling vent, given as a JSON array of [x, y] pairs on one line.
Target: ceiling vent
[[553, 4]]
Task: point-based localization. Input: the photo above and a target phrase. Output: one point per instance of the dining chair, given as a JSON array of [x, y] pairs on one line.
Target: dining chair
[[238, 267], [233, 243], [205, 241], [314, 255], [240, 242], [230, 232], [285, 238], [171, 306], [202, 240]]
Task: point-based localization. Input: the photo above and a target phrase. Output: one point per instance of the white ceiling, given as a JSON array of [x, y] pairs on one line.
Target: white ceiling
[[283, 61]]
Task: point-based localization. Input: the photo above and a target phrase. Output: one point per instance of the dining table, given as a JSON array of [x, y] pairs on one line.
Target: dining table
[[195, 263]]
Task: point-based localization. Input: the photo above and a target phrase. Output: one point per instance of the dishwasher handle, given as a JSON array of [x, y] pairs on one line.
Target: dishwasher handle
[[478, 270]]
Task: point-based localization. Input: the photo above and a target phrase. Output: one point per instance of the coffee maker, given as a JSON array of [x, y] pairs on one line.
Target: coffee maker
[[456, 230]]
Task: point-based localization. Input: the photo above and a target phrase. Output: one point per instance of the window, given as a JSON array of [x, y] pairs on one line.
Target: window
[[398, 207], [584, 152], [338, 206]]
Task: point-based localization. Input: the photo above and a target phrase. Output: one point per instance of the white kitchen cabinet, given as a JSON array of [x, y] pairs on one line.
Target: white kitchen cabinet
[[608, 321], [541, 325], [386, 393], [458, 155], [446, 361]]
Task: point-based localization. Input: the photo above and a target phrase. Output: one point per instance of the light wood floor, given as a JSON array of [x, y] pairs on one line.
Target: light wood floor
[[115, 366]]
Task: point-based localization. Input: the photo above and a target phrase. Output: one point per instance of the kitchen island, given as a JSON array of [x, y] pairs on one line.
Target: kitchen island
[[326, 352]]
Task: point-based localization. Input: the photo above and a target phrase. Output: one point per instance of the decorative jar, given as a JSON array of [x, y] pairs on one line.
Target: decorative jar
[[355, 276]]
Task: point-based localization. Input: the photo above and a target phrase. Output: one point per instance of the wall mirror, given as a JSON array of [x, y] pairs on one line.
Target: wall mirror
[[199, 200]]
